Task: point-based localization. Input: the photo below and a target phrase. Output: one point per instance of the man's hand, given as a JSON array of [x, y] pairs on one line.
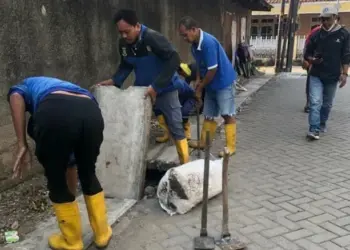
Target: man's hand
[[315, 60], [23, 161], [305, 65], [342, 79], [199, 89], [199, 102], [108, 82], [152, 94]]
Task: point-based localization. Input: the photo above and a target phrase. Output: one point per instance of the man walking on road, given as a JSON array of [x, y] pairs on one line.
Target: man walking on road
[[155, 63], [216, 75], [328, 51]]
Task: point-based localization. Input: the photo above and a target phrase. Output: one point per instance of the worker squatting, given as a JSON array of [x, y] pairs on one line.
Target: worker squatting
[[67, 125]]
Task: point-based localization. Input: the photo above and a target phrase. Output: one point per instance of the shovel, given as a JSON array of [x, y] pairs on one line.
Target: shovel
[[198, 132], [227, 242], [205, 242]]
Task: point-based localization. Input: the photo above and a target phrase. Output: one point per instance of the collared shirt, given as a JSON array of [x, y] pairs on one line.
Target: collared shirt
[[152, 58], [35, 89], [209, 54]]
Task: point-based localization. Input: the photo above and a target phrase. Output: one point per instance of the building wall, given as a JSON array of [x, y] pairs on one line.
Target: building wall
[[77, 41], [306, 21], [261, 24]]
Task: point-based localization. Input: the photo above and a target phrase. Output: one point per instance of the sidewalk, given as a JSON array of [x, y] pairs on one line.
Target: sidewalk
[[271, 69], [37, 239], [285, 192]]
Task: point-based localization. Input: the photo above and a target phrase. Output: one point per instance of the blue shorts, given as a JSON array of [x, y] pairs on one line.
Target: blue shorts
[[220, 102]]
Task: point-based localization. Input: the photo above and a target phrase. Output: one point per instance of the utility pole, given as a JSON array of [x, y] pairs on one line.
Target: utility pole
[[279, 41], [285, 36], [293, 24]]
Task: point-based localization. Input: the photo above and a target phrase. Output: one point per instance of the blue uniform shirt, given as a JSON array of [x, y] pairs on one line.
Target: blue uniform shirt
[[185, 92], [152, 58], [209, 54], [35, 89]]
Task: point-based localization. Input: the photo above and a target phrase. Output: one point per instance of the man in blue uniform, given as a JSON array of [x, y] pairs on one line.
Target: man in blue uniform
[[61, 126], [188, 72], [155, 62], [188, 102], [216, 75]]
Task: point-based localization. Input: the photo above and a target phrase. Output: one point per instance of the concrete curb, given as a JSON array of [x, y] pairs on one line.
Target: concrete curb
[[164, 156], [38, 238]]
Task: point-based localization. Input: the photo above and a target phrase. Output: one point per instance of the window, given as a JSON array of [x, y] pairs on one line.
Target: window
[[266, 31], [254, 31], [314, 21], [267, 20], [276, 30], [255, 21]]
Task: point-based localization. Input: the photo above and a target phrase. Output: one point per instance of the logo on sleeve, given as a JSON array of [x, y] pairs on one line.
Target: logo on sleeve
[[149, 49]]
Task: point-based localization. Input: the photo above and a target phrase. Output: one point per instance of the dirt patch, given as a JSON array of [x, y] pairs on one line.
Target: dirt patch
[[22, 207]]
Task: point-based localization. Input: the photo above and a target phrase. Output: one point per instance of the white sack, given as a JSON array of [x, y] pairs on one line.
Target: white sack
[[181, 188]]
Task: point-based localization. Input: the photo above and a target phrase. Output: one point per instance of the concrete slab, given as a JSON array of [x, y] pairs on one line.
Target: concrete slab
[[38, 238], [121, 164], [164, 156]]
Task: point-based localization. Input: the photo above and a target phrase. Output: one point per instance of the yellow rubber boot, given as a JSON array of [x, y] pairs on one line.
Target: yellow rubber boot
[[207, 125], [230, 130], [182, 150], [162, 124], [97, 212], [187, 128], [69, 222]]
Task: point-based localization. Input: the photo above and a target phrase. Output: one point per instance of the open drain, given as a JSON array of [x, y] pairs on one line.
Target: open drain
[[153, 177]]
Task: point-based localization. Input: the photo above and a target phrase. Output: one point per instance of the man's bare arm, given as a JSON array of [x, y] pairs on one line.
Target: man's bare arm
[[209, 76], [198, 74], [18, 109]]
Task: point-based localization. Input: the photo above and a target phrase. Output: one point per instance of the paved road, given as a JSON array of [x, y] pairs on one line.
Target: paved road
[[285, 192]]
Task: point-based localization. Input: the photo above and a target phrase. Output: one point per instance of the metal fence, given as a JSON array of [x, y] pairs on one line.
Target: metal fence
[[265, 47]]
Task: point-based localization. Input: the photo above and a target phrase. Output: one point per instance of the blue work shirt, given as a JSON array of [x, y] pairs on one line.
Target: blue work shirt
[[35, 89], [153, 59], [209, 54], [185, 91]]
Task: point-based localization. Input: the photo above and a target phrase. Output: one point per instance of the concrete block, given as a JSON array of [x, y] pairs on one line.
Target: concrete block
[[121, 165]]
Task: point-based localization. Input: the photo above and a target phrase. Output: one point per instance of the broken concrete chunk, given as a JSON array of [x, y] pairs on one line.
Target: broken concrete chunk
[[181, 188], [121, 164]]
